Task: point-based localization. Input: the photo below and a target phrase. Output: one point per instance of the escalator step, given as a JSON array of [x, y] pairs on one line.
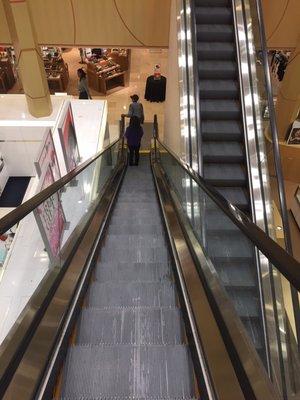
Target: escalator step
[[213, 15], [125, 240], [221, 130], [126, 208], [122, 372], [143, 326], [222, 152], [214, 69], [213, 3], [217, 221], [220, 109], [215, 33], [215, 51], [132, 294], [225, 174], [231, 247], [246, 302], [135, 255], [127, 220], [133, 272], [236, 273], [155, 229], [218, 89], [254, 328], [142, 211], [236, 196], [137, 197]]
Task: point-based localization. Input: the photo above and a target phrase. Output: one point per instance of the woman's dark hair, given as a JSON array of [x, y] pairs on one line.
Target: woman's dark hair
[[135, 122], [81, 73]]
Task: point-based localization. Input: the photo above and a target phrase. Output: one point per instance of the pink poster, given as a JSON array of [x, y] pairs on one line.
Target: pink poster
[[50, 218], [69, 141], [47, 156]]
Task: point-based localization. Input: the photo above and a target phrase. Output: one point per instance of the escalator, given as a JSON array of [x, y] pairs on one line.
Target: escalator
[[224, 158], [130, 339], [157, 288], [133, 307]]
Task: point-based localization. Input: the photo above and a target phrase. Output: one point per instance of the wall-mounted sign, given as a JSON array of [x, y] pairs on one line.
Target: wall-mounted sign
[[68, 140], [50, 219]]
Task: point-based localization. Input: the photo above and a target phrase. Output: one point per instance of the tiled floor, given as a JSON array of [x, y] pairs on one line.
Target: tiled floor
[[142, 65]]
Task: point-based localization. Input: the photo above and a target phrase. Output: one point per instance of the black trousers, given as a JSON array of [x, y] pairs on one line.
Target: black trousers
[[83, 96], [134, 153]]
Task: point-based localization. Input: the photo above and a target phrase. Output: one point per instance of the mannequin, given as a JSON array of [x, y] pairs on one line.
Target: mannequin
[[156, 86]]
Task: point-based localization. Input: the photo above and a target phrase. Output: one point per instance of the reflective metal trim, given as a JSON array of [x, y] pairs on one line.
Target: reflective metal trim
[[231, 327], [258, 206], [193, 28], [275, 329], [219, 375]]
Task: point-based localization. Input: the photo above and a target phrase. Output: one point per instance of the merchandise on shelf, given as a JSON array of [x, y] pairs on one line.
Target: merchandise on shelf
[[108, 71], [7, 76], [56, 69]]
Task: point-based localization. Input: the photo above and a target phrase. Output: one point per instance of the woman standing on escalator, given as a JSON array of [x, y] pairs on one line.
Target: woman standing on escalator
[[133, 134]]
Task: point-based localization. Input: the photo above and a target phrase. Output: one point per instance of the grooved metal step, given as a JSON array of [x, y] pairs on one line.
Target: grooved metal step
[[125, 240], [132, 272], [213, 15], [129, 372], [217, 69], [215, 51], [213, 3], [222, 152], [220, 109], [229, 246], [221, 130], [137, 229], [218, 89], [236, 195], [138, 326], [132, 294], [222, 174], [215, 33], [137, 254]]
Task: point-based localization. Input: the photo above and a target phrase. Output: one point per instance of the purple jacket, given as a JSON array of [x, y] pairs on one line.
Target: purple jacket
[[134, 135]]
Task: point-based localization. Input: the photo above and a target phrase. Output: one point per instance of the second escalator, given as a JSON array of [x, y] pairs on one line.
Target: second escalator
[[224, 159]]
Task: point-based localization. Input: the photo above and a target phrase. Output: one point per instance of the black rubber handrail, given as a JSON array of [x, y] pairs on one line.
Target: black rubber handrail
[[283, 261], [28, 206]]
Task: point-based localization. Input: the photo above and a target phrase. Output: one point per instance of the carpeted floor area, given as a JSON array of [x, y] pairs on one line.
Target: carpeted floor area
[[14, 191]]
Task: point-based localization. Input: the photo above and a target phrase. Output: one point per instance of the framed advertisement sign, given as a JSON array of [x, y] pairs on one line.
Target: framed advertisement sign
[[50, 219], [68, 140], [294, 136], [47, 156], [294, 133]]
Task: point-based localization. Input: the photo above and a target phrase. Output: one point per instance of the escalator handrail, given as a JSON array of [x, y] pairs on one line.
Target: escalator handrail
[[273, 128], [28, 206], [283, 261]]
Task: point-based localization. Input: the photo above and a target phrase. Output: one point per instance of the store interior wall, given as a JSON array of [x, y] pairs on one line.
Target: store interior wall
[[19, 146], [172, 133], [120, 23], [282, 25], [4, 31]]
